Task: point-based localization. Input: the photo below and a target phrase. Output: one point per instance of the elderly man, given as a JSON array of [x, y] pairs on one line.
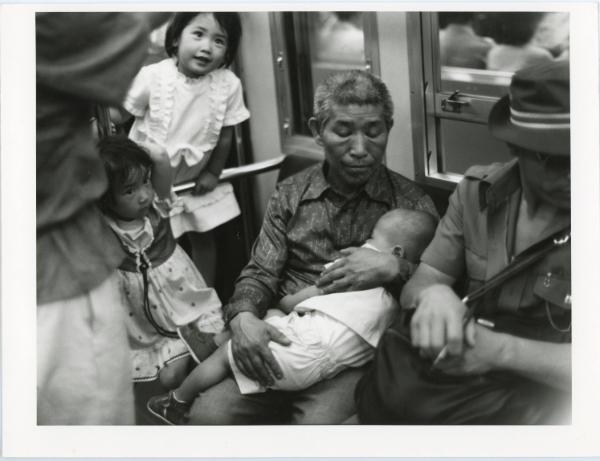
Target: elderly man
[[311, 219], [511, 364]]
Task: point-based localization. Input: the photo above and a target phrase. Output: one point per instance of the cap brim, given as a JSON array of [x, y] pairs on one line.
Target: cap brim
[[555, 141]]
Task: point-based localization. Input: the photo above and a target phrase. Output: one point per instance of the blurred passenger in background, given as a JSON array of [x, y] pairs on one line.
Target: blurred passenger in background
[[460, 46], [83, 374], [553, 34], [515, 49], [341, 38]]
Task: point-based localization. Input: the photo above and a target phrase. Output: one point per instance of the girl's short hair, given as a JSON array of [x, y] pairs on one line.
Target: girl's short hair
[[229, 22], [124, 162]]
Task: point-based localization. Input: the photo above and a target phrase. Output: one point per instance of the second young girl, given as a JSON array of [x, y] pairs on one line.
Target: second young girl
[[189, 103], [171, 311]]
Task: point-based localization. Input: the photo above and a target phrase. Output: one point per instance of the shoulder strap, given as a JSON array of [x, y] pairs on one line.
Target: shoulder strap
[[522, 262]]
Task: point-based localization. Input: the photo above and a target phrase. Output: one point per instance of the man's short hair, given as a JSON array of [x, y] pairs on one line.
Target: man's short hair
[[352, 87]]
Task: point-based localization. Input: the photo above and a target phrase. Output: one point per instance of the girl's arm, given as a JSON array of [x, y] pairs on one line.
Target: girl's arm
[[118, 115], [209, 177], [162, 175], [288, 302]]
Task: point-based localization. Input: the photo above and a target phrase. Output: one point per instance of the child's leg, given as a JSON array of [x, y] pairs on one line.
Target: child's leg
[[211, 371], [174, 373], [204, 254]]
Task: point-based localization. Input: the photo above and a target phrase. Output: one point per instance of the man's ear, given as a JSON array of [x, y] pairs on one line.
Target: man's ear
[[313, 124], [391, 124]]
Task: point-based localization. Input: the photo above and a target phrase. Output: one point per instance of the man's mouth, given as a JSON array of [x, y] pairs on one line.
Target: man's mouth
[[359, 167]]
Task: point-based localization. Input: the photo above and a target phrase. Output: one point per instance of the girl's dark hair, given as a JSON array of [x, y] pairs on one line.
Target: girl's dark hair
[[515, 29], [124, 162], [230, 22]]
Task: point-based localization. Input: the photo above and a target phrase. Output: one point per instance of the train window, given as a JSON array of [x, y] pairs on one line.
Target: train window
[[468, 60], [308, 46]]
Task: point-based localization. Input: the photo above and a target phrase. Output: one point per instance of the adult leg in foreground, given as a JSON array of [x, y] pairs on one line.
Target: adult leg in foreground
[[84, 366]]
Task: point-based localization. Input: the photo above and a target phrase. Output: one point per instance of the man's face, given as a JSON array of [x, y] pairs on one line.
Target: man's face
[[547, 177], [354, 139]]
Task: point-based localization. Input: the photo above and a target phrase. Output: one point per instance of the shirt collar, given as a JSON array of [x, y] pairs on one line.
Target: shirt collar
[[376, 187], [499, 184]]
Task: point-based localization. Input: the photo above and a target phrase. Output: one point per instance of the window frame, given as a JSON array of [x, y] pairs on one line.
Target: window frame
[[426, 96], [292, 143]]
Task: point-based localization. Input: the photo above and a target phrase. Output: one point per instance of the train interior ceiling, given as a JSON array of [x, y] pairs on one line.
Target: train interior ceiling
[[444, 72]]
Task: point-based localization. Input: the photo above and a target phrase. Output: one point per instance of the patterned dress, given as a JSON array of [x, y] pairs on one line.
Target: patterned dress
[[176, 293]]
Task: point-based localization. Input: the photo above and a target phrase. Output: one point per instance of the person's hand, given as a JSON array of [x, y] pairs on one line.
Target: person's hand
[[358, 269], [249, 346], [482, 351], [438, 322], [206, 182], [156, 151]]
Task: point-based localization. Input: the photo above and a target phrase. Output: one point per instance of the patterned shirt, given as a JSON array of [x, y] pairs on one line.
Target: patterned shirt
[[306, 224]]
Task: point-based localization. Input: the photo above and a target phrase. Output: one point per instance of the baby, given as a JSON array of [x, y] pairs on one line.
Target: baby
[[328, 333]]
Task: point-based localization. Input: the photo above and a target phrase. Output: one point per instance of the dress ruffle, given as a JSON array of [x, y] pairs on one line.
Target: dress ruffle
[[163, 83]]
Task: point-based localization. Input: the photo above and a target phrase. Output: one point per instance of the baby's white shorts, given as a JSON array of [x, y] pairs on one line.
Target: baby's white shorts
[[321, 347]]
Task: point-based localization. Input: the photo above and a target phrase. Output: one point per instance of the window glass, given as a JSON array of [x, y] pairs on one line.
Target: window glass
[[317, 44], [479, 52]]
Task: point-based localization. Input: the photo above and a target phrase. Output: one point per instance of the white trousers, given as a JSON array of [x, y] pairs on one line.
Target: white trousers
[[83, 360]]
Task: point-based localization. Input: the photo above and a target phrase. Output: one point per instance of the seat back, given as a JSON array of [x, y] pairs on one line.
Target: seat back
[[293, 164]]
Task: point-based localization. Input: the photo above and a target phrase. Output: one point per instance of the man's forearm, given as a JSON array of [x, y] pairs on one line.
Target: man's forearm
[[249, 296]]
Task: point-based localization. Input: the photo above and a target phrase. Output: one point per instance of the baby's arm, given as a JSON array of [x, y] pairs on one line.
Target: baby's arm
[[209, 177], [162, 175], [287, 303]]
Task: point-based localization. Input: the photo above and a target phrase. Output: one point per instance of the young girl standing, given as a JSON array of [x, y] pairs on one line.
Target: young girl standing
[[169, 305], [189, 103]]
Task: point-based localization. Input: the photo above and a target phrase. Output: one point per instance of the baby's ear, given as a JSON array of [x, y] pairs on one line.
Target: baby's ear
[[398, 251]]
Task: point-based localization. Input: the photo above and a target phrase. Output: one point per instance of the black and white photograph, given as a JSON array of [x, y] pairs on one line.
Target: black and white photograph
[[300, 229]]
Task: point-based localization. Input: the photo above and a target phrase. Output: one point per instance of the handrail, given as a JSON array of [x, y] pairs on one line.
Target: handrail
[[238, 172]]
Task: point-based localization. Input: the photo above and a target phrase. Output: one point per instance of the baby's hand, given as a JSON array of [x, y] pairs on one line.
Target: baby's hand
[[206, 182]]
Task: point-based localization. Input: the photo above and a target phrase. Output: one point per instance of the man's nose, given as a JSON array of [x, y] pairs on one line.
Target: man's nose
[[359, 145]]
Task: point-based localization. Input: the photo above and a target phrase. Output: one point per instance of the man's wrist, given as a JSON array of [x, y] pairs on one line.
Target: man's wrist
[[236, 317], [405, 267]]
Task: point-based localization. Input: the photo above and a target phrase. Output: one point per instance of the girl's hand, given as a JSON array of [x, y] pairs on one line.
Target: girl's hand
[[157, 152], [206, 182]]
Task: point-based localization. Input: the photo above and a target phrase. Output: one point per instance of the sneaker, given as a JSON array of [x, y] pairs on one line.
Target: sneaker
[[199, 343], [168, 409]]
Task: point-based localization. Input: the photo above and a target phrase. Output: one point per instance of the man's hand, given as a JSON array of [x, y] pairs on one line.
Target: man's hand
[[484, 349], [358, 269], [438, 321], [206, 182], [249, 345]]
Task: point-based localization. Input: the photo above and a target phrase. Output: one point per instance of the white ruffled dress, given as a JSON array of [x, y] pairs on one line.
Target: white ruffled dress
[[186, 116], [177, 295]]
